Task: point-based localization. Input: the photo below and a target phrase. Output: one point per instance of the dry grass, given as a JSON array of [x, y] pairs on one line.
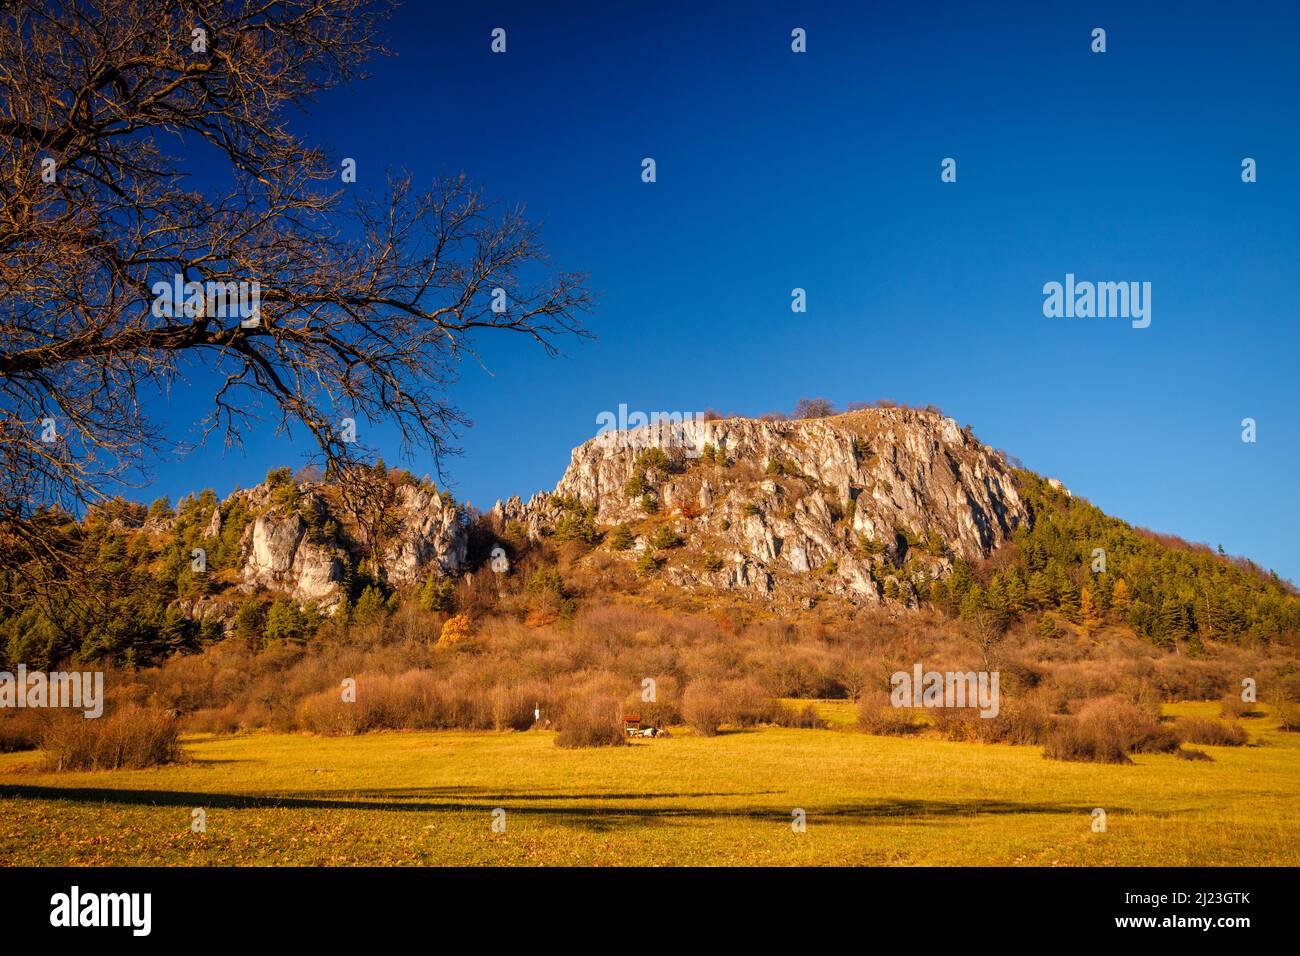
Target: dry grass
[[426, 798]]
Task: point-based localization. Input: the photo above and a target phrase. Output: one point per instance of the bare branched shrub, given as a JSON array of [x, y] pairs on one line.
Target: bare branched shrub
[[704, 708], [130, 738], [805, 717], [665, 710], [591, 722], [1233, 707], [1216, 733], [1105, 731], [21, 729], [876, 715]]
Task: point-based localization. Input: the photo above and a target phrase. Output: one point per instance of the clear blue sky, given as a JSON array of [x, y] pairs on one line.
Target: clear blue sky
[[821, 170]]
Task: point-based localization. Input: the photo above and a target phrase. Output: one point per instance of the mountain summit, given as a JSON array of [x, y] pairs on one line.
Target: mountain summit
[[870, 505]]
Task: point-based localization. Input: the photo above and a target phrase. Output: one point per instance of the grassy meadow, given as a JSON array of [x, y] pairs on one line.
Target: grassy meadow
[[426, 798]]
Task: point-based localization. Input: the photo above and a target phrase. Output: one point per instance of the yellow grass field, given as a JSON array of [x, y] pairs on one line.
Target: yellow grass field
[[428, 799]]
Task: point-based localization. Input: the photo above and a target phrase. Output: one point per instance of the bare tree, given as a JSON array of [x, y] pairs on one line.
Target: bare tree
[[366, 307], [988, 629], [813, 408]]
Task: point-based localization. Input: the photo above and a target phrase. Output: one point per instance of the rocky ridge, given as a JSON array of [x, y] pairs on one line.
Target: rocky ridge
[[867, 505]]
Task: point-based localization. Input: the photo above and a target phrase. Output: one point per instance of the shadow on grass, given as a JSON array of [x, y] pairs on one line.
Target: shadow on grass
[[590, 816]]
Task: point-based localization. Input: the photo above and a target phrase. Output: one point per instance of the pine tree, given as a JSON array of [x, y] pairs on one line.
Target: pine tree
[[1017, 593], [622, 538], [1172, 624], [1068, 599], [1041, 593]]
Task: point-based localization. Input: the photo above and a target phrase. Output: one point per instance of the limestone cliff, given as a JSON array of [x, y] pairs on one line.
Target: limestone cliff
[[841, 505]]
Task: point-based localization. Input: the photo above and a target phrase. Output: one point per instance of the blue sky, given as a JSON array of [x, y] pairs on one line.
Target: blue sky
[[822, 171]]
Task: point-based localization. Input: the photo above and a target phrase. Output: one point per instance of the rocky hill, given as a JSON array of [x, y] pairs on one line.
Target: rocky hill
[[884, 506], [868, 505]]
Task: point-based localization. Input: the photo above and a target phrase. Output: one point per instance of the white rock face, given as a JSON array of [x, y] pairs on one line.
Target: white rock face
[[837, 511], [279, 558], [432, 535], [280, 555]]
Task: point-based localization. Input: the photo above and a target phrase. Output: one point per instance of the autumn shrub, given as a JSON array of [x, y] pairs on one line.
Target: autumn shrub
[[1288, 714], [1216, 733], [666, 707], [1104, 731], [132, 737], [1021, 719], [1025, 718], [703, 708], [227, 719], [21, 730], [1070, 740], [329, 714], [456, 629], [746, 704], [591, 722], [878, 716], [805, 717], [1233, 707]]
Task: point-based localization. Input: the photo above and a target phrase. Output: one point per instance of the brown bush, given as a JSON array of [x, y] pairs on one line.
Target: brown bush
[[1105, 731], [1216, 733], [1191, 753], [1288, 714], [664, 711], [745, 704], [21, 729], [495, 679], [327, 713], [876, 715], [1069, 741], [1022, 718], [805, 717], [217, 720], [703, 708], [1181, 678], [1283, 700], [132, 737], [1233, 707], [591, 722]]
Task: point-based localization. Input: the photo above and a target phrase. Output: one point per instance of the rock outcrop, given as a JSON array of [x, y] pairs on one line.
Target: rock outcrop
[[286, 552], [432, 536], [279, 556], [868, 505]]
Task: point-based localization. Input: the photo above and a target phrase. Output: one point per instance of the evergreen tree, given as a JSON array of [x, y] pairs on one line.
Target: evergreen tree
[[622, 538]]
